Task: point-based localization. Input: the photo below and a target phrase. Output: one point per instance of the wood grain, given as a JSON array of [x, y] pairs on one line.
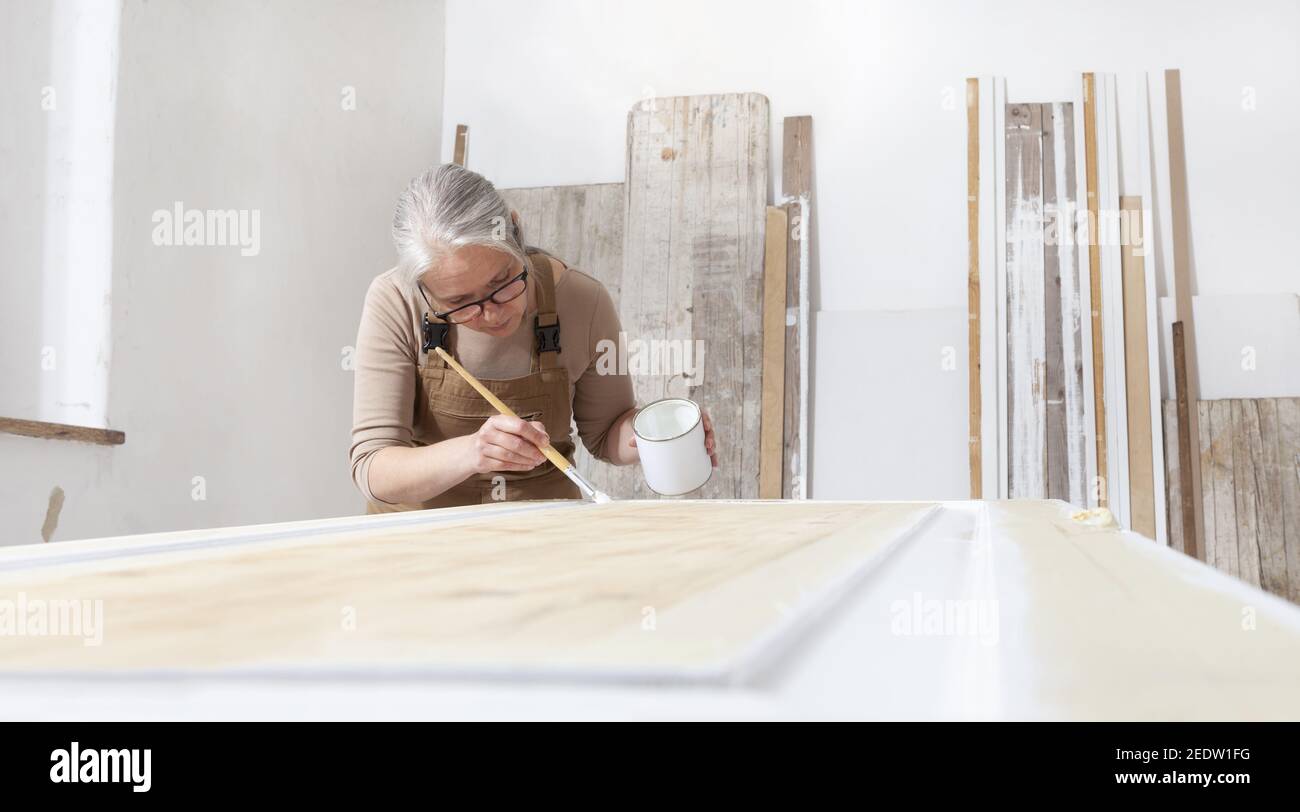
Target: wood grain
[[1173, 464], [796, 156], [1250, 468], [693, 260], [772, 455], [1026, 328], [1188, 448], [669, 588], [796, 184], [583, 227], [1137, 372], [1094, 281], [1225, 496], [1288, 445], [61, 431], [973, 372]]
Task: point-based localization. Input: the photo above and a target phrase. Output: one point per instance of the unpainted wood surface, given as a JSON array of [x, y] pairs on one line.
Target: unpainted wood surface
[[1137, 373], [973, 371], [60, 431], [772, 457], [796, 183], [693, 260], [1250, 465], [1094, 280], [626, 585], [583, 227]]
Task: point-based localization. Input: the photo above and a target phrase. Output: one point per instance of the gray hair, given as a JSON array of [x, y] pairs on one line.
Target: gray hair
[[446, 208]]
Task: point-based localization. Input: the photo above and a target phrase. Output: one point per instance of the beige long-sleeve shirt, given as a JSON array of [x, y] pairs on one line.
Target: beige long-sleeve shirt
[[388, 360]]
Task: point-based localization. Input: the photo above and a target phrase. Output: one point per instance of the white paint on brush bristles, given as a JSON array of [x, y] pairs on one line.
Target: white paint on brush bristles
[[600, 498]]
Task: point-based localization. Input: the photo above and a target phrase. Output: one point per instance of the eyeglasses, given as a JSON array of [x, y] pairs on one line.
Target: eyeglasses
[[468, 312]]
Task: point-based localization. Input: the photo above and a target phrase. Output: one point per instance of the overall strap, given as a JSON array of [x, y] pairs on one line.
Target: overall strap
[[546, 326]]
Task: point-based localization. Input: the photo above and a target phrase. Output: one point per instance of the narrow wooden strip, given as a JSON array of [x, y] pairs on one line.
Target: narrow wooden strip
[[1094, 282], [1181, 276], [1072, 351], [794, 383], [461, 152], [1172, 475], [796, 182], [973, 371], [1137, 373], [61, 431], [773, 419], [1185, 447], [1288, 458]]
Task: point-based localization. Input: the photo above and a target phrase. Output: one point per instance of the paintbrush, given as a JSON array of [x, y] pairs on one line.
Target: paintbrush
[[599, 497]]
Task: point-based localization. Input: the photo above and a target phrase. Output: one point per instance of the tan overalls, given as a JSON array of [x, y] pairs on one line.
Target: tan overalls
[[451, 407]]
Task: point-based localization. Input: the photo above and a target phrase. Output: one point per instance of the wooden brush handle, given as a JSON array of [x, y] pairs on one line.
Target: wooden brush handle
[[550, 452]]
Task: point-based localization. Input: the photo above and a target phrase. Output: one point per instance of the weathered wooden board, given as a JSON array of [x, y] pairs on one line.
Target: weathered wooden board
[[973, 370], [1056, 459], [1026, 329], [1137, 372], [797, 189], [771, 462], [1065, 333], [583, 227], [1250, 466], [693, 260], [627, 590], [1046, 431]]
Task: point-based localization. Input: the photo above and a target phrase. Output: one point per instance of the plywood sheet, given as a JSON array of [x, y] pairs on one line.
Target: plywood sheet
[[630, 590], [693, 260]]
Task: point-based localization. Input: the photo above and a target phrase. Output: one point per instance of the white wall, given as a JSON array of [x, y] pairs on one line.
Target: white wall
[[224, 366], [884, 84]]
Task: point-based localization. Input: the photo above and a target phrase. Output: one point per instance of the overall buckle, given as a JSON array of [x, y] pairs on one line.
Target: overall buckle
[[435, 334], [548, 338]]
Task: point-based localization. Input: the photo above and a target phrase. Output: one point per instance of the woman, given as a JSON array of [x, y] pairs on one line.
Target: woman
[[521, 321]]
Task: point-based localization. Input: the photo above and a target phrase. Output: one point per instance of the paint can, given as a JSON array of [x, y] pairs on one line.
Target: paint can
[[670, 438]]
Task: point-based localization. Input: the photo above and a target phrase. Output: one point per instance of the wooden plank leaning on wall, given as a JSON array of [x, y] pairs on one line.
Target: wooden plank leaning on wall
[[975, 433], [1094, 280], [773, 428], [796, 190], [1142, 496], [1191, 487]]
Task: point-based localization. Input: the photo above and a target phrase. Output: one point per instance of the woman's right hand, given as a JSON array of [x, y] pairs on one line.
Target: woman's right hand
[[508, 444]]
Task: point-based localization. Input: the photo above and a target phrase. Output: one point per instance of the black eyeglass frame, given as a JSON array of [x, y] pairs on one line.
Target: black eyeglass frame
[[491, 297]]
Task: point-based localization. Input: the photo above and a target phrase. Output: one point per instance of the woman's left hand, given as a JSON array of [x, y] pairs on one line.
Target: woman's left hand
[[710, 439]]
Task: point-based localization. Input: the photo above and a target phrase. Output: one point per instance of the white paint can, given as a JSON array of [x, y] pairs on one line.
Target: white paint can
[[670, 438]]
